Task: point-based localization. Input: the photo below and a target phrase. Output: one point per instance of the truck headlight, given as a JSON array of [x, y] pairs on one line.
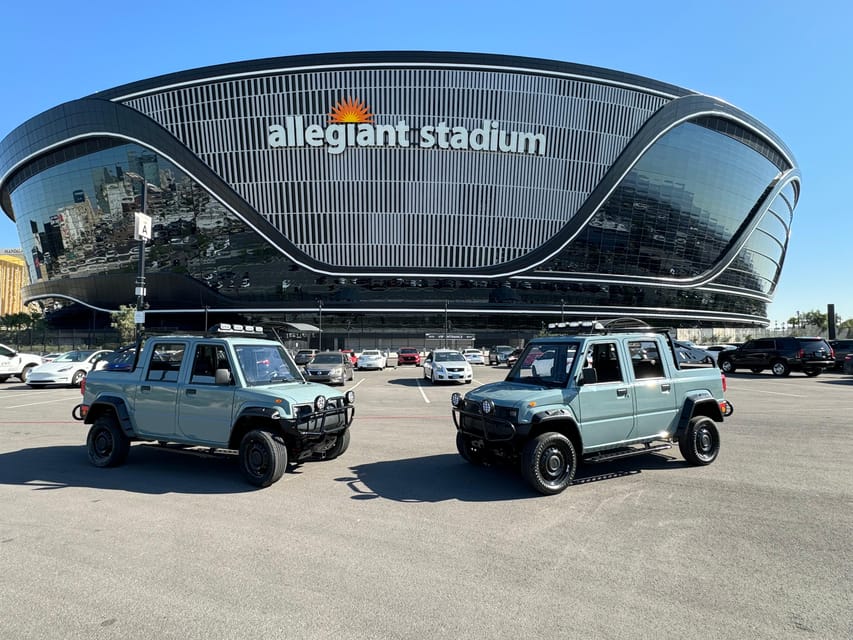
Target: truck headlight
[[349, 397], [455, 399], [487, 406]]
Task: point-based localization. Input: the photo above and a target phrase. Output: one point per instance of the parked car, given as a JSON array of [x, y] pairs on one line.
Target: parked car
[[330, 367], [474, 356], [304, 356], [810, 355], [447, 365], [689, 353], [715, 349], [841, 348], [48, 357], [409, 355], [498, 354], [372, 359], [15, 363], [120, 359], [352, 357], [69, 369], [847, 367], [512, 358]]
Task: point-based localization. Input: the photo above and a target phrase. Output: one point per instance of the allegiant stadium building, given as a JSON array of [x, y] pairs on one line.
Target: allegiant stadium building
[[404, 192]]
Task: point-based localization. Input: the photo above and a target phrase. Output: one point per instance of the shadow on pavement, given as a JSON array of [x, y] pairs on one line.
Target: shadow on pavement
[[448, 477], [149, 469]]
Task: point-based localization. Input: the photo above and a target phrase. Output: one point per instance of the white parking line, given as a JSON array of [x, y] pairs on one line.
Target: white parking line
[[776, 393], [32, 404], [421, 389]]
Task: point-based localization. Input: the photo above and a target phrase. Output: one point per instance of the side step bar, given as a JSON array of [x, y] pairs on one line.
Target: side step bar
[[607, 456]]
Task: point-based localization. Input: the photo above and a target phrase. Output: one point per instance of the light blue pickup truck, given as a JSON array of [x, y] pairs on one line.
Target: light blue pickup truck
[[591, 398], [232, 389]]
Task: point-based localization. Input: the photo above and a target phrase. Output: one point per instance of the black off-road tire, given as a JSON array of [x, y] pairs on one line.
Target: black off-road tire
[[780, 368], [106, 444], [263, 457], [700, 442], [340, 446], [548, 462], [468, 452], [77, 378], [726, 365]]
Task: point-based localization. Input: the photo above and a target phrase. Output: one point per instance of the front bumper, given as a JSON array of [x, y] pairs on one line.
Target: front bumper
[[333, 419], [35, 378], [470, 420]]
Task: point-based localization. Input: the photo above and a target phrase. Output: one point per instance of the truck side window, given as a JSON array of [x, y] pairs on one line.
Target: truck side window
[[645, 359], [204, 364], [604, 358], [166, 359]]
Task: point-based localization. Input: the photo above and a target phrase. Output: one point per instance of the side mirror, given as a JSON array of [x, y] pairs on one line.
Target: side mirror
[[589, 375], [223, 376]]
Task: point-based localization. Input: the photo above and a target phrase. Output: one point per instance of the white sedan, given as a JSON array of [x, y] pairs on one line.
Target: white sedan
[[372, 359], [474, 356], [70, 368], [447, 365]]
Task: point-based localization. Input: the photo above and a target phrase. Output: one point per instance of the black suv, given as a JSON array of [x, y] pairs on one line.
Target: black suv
[[780, 355], [841, 349]]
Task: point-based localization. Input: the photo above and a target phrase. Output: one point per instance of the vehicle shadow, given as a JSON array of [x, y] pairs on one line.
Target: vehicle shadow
[[448, 477], [841, 381], [149, 469], [407, 382]]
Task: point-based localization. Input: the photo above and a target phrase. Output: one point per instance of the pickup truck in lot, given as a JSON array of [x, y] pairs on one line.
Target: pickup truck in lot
[[591, 398], [232, 389], [17, 364]]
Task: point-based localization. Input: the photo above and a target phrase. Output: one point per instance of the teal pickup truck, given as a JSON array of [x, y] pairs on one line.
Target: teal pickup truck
[[591, 398], [232, 389]]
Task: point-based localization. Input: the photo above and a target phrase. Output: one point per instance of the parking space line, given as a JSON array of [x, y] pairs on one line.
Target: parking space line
[[776, 393], [32, 404], [421, 389]]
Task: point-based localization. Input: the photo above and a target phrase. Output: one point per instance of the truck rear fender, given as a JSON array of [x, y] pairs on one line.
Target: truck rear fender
[[563, 422], [114, 405], [698, 403]]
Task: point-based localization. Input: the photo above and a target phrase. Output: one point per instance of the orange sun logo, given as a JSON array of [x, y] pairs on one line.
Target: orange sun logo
[[350, 110]]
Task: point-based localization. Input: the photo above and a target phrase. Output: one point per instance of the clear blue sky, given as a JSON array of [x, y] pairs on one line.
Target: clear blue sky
[[788, 64]]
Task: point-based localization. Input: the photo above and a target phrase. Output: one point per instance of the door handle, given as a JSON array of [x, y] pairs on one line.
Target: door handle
[[622, 393], [190, 392], [145, 387], [665, 386]]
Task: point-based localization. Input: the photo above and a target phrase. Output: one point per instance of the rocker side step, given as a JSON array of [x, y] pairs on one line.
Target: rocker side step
[[607, 456]]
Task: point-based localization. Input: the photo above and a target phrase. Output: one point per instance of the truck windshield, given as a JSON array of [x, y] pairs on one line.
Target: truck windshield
[[547, 364], [266, 364]]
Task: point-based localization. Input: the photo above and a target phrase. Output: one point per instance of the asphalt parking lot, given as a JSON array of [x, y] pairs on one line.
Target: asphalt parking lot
[[400, 538]]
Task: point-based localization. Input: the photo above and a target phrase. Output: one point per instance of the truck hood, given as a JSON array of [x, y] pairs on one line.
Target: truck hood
[[508, 394]]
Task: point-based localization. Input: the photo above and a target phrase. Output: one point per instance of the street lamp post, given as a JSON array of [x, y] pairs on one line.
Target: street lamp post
[[445, 324], [320, 336], [142, 232]]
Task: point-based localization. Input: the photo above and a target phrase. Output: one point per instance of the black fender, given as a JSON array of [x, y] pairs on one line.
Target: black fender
[[698, 403], [117, 406], [559, 420], [254, 417]]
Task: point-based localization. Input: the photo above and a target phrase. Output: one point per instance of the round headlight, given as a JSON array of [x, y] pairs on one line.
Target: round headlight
[[349, 397], [455, 399], [320, 403], [487, 406]]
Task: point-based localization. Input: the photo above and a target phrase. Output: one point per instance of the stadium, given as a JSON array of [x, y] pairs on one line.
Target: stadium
[[397, 194]]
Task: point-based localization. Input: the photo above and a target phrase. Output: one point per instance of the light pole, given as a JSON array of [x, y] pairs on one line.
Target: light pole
[[445, 324], [320, 337], [142, 232], [562, 310]]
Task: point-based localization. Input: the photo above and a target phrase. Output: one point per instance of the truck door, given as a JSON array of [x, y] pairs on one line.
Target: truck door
[[156, 399], [205, 408], [654, 398], [606, 406]]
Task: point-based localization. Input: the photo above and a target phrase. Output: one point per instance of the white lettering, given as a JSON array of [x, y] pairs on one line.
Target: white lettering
[[337, 137]]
